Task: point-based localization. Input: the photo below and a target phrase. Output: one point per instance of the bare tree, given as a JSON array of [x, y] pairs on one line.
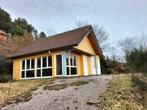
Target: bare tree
[[101, 34], [128, 44], [143, 41]]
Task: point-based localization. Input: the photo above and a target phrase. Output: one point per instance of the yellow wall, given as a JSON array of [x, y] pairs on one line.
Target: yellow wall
[[79, 59], [89, 65], [85, 46], [16, 69], [53, 67], [80, 68], [17, 65]]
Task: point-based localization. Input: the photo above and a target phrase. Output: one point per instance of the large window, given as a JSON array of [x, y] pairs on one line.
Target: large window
[[71, 66], [28, 68], [43, 67]]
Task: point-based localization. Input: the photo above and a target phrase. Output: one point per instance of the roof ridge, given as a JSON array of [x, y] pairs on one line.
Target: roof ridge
[[57, 35]]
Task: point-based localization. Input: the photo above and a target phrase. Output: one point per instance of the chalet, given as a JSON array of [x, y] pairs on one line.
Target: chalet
[[72, 53]]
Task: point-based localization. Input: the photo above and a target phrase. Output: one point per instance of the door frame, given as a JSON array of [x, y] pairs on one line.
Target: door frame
[[55, 65], [85, 65]]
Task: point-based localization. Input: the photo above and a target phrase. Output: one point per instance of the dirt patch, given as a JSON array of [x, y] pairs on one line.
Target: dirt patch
[[55, 87], [79, 83], [92, 103], [64, 85]]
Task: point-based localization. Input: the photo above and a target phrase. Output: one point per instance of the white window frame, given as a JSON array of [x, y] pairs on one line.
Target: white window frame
[[35, 68], [70, 66], [56, 75], [25, 69], [41, 67]]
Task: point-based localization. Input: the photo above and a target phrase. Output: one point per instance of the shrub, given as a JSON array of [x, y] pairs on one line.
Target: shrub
[[5, 78], [137, 60], [5, 70]]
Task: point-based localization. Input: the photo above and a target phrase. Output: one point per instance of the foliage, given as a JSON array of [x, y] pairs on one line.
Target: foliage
[[42, 35], [5, 70], [19, 26], [5, 78], [4, 66], [128, 44], [137, 60], [139, 83], [104, 66]]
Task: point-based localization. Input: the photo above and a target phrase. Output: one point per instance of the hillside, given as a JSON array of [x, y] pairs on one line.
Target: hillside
[[7, 47]]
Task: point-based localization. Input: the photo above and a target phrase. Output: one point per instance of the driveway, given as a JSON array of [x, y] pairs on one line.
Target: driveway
[[71, 97]]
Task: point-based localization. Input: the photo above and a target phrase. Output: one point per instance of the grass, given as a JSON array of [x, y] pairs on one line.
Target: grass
[[64, 85], [123, 94], [55, 87], [19, 90]]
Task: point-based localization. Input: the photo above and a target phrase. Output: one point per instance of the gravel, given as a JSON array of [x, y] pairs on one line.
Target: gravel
[[81, 97]]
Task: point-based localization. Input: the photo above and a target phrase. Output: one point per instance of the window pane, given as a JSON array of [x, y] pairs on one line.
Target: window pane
[[28, 64], [47, 72], [67, 61], [22, 74], [38, 73], [73, 71], [59, 64], [38, 62], [49, 61], [32, 64], [29, 73], [71, 63], [44, 62], [67, 70], [23, 64], [74, 61]]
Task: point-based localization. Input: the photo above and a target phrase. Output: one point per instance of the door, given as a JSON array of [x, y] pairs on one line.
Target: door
[[98, 66], [93, 65], [85, 63], [58, 65]]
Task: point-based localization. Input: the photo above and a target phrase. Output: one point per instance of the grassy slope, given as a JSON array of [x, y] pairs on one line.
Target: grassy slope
[[122, 94], [19, 90]]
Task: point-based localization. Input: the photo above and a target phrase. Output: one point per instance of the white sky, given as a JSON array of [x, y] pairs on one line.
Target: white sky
[[120, 18]]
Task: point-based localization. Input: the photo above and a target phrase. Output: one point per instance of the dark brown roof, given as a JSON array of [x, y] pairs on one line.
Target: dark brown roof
[[66, 39]]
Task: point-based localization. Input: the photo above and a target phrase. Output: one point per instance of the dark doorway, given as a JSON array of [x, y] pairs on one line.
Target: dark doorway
[[59, 64]]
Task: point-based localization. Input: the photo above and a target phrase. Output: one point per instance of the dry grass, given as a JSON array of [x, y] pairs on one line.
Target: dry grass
[[64, 85], [19, 90], [121, 95], [55, 87]]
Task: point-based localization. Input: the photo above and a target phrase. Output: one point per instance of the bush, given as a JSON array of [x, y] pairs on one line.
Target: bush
[[137, 60], [5, 78], [5, 70]]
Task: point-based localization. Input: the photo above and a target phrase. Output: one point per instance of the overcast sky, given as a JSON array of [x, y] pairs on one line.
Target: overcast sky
[[120, 18]]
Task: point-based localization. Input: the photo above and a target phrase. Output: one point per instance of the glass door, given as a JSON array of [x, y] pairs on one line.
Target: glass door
[[58, 65]]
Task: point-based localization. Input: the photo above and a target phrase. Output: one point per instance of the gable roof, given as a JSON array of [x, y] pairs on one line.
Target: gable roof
[[65, 39]]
